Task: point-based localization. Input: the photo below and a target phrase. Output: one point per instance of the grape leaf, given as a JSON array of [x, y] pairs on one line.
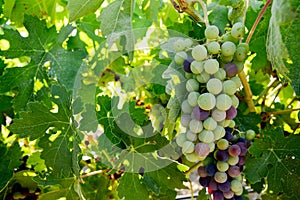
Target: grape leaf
[[278, 159], [135, 190], [79, 8], [218, 16], [9, 159], [246, 122]]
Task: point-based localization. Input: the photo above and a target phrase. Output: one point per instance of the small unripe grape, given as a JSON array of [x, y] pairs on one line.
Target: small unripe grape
[[207, 101], [238, 30], [192, 85], [229, 87], [228, 38], [188, 42], [236, 186], [222, 144], [218, 115], [240, 66], [199, 114], [196, 126], [193, 98], [187, 65], [250, 134], [213, 47], [210, 124], [211, 32], [231, 69], [186, 107], [219, 132], [220, 177], [214, 86], [228, 48], [235, 101], [220, 74], [188, 75], [188, 147], [185, 120], [231, 124], [222, 166], [206, 136], [240, 54], [237, 81], [192, 157], [212, 146], [181, 138], [231, 113], [225, 123], [202, 149], [226, 59], [197, 67], [233, 160], [179, 45], [223, 102], [180, 57], [199, 52], [211, 66], [190, 136], [203, 77]]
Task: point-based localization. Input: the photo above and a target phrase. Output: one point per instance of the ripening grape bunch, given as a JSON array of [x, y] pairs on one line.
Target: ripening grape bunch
[[210, 106]]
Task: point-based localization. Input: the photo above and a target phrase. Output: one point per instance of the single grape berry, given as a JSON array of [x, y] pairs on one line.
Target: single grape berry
[[222, 155], [211, 169], [220, 177], [192, 85], [218, 195], [179, 45], [238, 30], [195, 126], [213, 47], [234, 171], [185, 120], [202, 149], [228, 48], [180, 57], [199, 52], [202, 172], [204, 181], [211, 32], [234, 150], [231, 113], [231, 69], [223, 102], [214, 86], [197, 67], [211, 66], [187, 65], [207, 101], [213, 185], [224, 187], [199, 114], [250, 134]]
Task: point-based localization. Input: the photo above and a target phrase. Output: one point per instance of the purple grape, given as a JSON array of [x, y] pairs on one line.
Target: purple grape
[[242, 160], [213, 185], [234, 150], [187, 65], [202, 149], [231, 113], [228, 195], [243, 140], [234, 171], [202, 172], [218, 195], [200, 114], [204, 181], [231, 69], [211, 169], [222, 155], [238, 198], [243, 148], [228, 136], [248, 143], [224, 187]]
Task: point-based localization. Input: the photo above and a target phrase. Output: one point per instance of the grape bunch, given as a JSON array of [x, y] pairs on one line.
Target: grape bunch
[[157, 116], [210, 106]]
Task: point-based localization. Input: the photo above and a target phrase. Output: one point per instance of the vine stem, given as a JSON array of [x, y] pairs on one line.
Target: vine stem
[[194, 167], [283, 111], [257, 21], [93, 173], [205, 16]]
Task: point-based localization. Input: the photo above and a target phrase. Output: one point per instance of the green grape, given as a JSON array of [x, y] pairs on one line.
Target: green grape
[[229, 87], [235, 101], [222, 144], [218, 115], [206, 136], [231, 124], [250, 134], [180, 57], [210, 124], [195, 126], [223, 102], [226, 59], [239, 65], [188, 147], [212, 146], [225, 123], [193, 98], [203, 77], [233, 160], [239, 193], [190, 136], [186, 107], [222, 166], [220, 74], [185, 120], [228, 38], [181, 138], [228, 48], [220, 177], [240, 54], [245, 46], [236, 186], [213, 47], [188, 75], [237, 81], [211, 66], [179, 45], [238, 30], [197, 67], [214, 86], [193, 157], [219, 132], [188, 42], [192, 85], [207, 101], [199, 52], [211, 32]]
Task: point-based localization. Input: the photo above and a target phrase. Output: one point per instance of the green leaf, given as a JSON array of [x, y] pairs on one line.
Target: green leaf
[[79, 8], [218, 16], [132, 187], [203, 196], [278, 159], [249, 121], [9, 160]]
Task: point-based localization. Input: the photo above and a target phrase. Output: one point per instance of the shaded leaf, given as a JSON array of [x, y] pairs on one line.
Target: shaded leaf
[[79, 8]]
